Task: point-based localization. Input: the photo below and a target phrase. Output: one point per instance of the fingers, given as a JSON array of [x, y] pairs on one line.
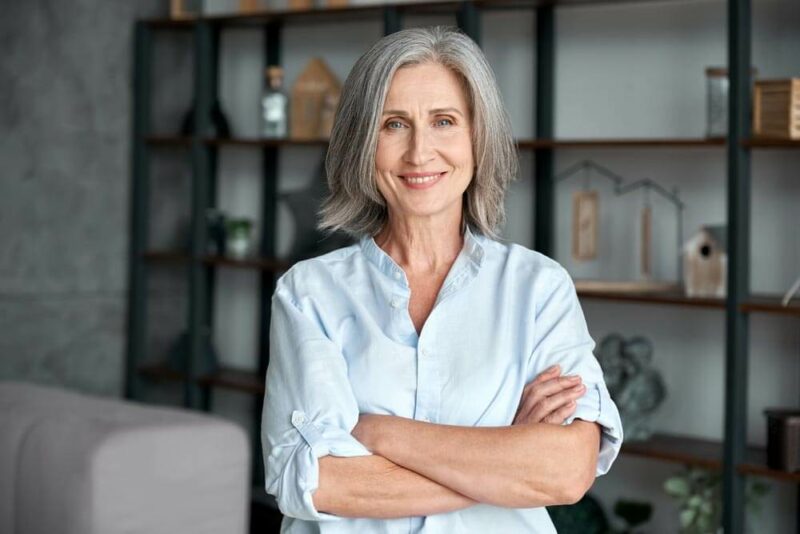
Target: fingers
[[535, 392], [549, 406], [559, 416], [542, 401]]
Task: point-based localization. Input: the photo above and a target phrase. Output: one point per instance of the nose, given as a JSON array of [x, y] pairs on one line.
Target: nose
[[420, 148]]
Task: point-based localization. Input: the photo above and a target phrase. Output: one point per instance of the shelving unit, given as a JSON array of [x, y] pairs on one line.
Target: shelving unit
[[731, 456]]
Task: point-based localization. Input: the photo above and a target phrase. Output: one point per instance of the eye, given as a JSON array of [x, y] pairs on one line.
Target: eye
[[444, 122], [394, 125]]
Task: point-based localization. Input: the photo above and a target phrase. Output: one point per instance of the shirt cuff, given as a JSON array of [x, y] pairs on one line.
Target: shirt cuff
[[596, 406], [294, 470]]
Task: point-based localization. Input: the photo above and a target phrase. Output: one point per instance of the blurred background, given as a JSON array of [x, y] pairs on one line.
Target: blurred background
[[157, 179]]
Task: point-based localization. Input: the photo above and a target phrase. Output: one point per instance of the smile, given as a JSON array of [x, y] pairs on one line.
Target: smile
[[421, 180]]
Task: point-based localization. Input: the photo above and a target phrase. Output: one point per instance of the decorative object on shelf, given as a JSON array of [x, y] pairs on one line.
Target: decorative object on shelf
[[716, 102], [776, 108], [215, 221], [185, 9], [274, 105], [585, 208], [328, 112], [717, 87], [705, 258], [585, 218], [699, 495], [783, 439], [308, 241], [178, 356], [636, 387], [315, 86], [584, 517], [238, 237], [787, 298]]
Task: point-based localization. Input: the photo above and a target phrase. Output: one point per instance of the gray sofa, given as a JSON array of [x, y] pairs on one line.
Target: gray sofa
[[75, 464]]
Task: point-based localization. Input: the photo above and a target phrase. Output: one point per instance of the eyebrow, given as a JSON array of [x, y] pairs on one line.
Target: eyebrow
[[431, 112]]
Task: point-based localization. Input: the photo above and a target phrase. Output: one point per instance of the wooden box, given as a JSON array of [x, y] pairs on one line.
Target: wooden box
[[776, 108]]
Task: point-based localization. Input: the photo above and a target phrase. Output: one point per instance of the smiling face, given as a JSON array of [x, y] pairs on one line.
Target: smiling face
[[424, 160]]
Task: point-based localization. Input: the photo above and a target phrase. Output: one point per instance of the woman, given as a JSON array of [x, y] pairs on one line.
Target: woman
[[415, 380]]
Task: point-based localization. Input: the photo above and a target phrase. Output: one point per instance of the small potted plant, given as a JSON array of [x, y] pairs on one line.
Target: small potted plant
[[698, 493], [238, 237]]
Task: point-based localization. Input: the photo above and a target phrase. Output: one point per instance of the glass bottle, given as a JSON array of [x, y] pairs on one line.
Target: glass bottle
[[274, 105]]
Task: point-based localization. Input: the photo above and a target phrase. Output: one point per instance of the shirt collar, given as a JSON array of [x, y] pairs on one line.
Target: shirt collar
[[472, 249]]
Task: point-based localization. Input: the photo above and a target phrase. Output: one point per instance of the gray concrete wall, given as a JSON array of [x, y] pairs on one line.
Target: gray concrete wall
[[64, 189]]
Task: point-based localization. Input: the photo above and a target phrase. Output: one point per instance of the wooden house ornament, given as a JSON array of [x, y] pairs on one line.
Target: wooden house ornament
[[705, 262], [314, 98]]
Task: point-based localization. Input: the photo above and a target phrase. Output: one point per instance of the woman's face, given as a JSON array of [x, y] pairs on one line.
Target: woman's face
[[424, 160]]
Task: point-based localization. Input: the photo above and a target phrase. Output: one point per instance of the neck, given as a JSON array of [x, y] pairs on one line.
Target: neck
[[422, 246]]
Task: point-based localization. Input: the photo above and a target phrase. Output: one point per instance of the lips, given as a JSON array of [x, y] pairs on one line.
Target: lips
[[421, 180]]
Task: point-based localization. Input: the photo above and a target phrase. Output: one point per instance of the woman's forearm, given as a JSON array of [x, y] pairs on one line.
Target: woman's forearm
[[517, 466], [374, 487]]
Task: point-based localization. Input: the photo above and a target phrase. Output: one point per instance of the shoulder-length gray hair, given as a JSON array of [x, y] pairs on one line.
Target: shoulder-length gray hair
[[355, 205]]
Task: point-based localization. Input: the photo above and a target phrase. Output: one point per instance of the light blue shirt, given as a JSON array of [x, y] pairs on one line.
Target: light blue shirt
[[342, 343]]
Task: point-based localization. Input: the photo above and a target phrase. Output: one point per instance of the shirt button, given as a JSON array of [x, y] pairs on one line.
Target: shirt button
[[397, 275], [423, 352], [298, 418], [396, 303]]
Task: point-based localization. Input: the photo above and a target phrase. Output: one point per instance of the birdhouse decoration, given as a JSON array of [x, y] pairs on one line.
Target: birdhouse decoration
[[705, 262], [315, 96]]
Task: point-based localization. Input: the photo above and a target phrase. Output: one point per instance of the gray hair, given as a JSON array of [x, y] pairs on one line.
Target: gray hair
[[354, 204]]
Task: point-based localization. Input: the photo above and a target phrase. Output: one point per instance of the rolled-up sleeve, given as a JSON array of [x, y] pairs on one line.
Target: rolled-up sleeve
[[561, 337], [309, 407]]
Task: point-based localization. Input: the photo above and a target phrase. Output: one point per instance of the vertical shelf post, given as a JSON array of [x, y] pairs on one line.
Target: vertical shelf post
[[469, 20], [201, 170], [392, 21], [268, 249], [140, 193], [544, 190], [736, 322]]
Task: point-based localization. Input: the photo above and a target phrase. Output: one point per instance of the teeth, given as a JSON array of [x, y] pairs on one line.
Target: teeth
[[421, 179]]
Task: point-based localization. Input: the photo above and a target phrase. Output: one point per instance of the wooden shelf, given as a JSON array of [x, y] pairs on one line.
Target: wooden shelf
[[703, 453], [771, 304], [234, 379], [375, 9], [678, 449], [167, 256], [533, 144], [768, 142], [539, 144], [677, 299], [159, 372], [168, 141], [265, 264], [263, 142]]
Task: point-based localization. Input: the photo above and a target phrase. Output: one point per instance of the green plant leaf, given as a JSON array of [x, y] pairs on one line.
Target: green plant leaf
[[677, 487], [688, 517]]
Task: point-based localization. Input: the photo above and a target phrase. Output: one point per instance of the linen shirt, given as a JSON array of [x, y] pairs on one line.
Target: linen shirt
[[342, 343]]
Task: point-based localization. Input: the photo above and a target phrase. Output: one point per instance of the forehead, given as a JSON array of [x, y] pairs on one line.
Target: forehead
[[428, 85]]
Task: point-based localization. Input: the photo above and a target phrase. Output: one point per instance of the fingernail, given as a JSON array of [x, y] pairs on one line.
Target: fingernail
[[574, 378], [551, 368]]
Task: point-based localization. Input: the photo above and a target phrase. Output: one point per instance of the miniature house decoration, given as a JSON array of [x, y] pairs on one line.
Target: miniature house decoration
[[314, 98], [705, 262]]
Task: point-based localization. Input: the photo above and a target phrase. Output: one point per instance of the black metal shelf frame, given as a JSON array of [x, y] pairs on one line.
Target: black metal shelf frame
[[204, 179]]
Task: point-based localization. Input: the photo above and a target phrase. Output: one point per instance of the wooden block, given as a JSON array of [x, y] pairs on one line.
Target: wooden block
[[776, 108], [584, 225], [646, 241]]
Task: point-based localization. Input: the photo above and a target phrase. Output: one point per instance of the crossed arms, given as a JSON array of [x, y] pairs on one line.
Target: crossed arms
[[421, 468]]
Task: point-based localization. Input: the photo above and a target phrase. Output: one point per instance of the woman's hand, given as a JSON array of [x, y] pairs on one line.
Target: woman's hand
[[550, 398]]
